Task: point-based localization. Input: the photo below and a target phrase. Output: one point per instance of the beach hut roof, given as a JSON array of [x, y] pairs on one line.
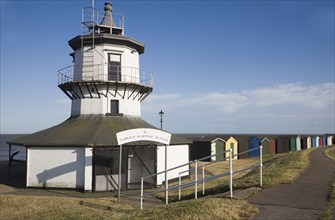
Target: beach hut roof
[[87, 131]]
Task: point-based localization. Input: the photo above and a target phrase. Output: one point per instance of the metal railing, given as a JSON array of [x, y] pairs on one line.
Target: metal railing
[[203, 179], [105, 73], [92, 16]]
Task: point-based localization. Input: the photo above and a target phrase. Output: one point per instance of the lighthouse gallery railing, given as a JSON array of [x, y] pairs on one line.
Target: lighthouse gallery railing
[[105, 73]]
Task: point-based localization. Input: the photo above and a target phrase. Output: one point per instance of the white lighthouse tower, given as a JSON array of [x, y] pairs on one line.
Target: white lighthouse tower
[[106, 75]]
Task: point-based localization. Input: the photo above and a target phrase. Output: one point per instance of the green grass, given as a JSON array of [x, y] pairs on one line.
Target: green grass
[[279, 169], [327, 214], [31, 207], [205, 208]]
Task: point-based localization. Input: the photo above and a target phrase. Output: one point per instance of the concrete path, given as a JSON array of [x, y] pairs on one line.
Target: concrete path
[[303, 199]]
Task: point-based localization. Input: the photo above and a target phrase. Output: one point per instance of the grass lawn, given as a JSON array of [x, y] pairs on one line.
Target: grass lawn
[[31, 207], [277, 169]]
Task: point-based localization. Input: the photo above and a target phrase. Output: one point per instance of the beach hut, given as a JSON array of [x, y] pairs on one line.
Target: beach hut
[[217, 146], [286, 142], [253, 144], [293, 144], [243, 146], [324, 140], [330, 140], [265, 144], [280, 145], [314, 141], [320, 140], [106, 88], [201, 147], [272, 146], [299, 142], [233, 144], [317, 141], [303, 143], [309, 142]]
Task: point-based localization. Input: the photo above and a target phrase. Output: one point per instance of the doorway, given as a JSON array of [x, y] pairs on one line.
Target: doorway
[[137, 161]]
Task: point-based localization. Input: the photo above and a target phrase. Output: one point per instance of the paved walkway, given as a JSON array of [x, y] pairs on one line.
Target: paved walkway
[[303, 199]]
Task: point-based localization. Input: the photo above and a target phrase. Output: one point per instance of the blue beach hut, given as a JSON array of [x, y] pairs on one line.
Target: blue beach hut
[[253, 143], [324, 140], [313, 141]]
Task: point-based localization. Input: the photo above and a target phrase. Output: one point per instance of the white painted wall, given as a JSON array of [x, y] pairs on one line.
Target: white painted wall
[[102, 105], [176, 155], [59, 167], [213, 150], [298, 141], [130, 72], [88, 169], [330, 140]]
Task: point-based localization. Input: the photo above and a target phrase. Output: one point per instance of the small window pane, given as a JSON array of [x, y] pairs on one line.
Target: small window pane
[[114, 58], [115, 106]]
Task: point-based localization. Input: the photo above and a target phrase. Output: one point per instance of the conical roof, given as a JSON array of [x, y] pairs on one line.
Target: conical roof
[[87, 131]]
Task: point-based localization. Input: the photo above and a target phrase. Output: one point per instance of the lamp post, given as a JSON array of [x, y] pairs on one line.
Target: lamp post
[[161, 114]]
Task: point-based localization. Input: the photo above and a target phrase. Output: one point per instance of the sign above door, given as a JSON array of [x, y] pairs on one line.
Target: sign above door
[[143, 134]]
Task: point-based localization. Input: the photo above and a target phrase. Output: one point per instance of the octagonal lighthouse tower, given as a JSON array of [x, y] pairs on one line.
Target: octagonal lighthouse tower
[[105, 78], [106, 87]]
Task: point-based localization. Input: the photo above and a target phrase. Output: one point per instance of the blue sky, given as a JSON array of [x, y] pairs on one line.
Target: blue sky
[[219, 66]]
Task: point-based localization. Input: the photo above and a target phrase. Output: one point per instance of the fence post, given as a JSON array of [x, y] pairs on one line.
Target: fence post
[[261, 165], [119, 176], [231, 172], [179, 190], [141, 193], [166, 179], [196, 180], [203, 180]]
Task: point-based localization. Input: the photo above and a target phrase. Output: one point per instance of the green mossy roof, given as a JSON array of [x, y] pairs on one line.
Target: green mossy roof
[[87, 131]]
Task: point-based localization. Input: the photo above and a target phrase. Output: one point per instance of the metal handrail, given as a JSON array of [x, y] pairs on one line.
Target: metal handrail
[[165, 171], [203, 179], [100, 72], [188, 184], [185, 164]]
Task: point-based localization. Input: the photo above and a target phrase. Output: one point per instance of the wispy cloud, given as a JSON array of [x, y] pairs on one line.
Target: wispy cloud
[[288, 106], [314, 96]]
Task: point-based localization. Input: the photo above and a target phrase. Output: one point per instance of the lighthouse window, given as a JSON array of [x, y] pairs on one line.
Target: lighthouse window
[[114, 67], [114, 107]]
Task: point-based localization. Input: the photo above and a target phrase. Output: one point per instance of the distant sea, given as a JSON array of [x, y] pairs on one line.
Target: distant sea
[[4, 147]]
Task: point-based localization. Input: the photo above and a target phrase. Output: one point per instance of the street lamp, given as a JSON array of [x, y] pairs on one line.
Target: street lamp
[[161, 114]]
